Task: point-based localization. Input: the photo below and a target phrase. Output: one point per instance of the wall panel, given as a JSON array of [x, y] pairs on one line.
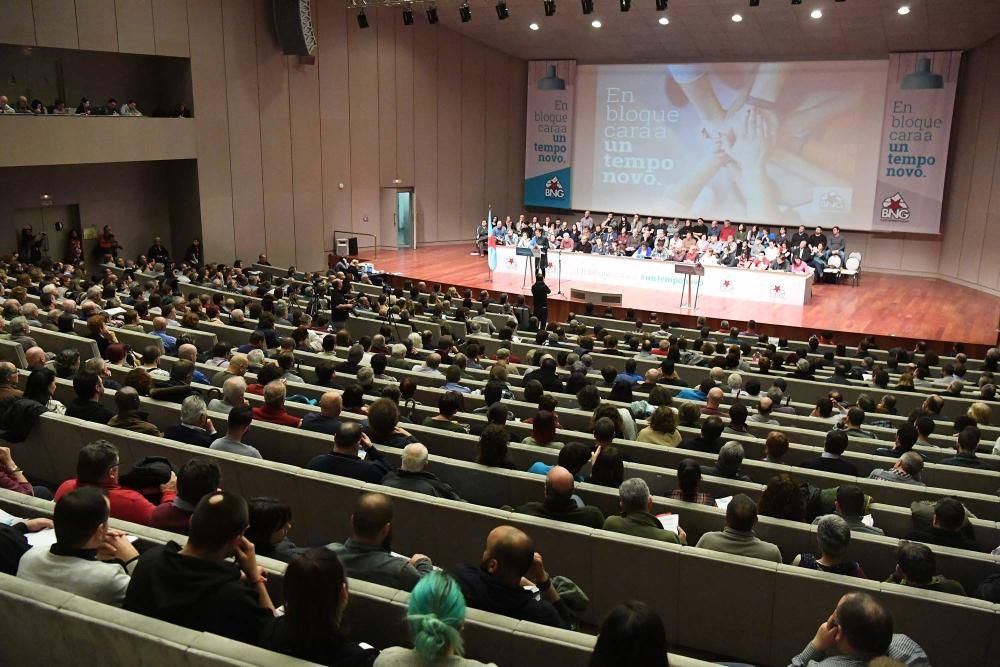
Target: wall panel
[[55, 23], [517, 101], [276, 142], [449, 145], [497, 126], [18, 24], [473, 204], [97, 26], [362, 55], [425, 136], [135, 26], [208, 79], [404, 125], [334, 116], [170, 28], [307, 165], [242, 106]]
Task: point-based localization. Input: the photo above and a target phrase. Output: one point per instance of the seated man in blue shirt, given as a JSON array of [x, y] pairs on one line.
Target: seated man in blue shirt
[[346, 459]]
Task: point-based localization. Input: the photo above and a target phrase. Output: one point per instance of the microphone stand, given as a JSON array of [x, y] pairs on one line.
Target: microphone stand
[[559, 293]]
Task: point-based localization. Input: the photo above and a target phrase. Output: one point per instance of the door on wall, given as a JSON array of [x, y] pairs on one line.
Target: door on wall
[[398, 219], [404, 219], [51, 226]]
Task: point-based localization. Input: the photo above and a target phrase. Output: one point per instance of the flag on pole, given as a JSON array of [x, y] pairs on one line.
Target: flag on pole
[[491, 252]]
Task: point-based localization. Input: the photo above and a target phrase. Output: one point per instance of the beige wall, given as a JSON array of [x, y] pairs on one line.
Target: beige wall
[[155, 27], [439, 112], [134, 198], [967, 251], [31, 140]]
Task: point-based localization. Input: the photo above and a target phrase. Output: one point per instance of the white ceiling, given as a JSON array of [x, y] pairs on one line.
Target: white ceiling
[[702, 30]]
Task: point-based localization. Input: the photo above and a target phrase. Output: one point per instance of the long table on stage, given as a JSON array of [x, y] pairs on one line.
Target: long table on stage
[[719, 281]]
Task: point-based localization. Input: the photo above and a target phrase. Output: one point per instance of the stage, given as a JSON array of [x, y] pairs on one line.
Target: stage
[[883, 304]]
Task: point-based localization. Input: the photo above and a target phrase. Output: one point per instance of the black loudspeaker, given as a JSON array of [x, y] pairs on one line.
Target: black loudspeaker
[[293, 26], [352, 246]]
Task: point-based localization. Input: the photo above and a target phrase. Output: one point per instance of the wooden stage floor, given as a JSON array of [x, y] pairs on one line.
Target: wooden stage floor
[[883, 304]]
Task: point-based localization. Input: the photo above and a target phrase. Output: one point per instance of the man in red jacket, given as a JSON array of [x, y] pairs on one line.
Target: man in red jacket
[[97, 465], [273, 409]]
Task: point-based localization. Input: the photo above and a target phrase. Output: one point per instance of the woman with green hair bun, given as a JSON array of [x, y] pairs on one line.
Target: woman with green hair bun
[[436, 614]]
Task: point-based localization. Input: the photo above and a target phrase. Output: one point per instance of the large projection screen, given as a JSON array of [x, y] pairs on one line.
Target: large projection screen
[[776, 143]]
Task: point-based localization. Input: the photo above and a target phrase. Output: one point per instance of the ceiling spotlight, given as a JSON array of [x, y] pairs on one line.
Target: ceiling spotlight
[[588, 6], [661, 5], [904, 10], [502, 11], [796, 2], [362, 20], [816, 13], [595, 23], [755, 3], [465, 13], [549, 6], [432, 14], [625, 5], [407, 16], [533, 26], [737, 18], [663, 20]]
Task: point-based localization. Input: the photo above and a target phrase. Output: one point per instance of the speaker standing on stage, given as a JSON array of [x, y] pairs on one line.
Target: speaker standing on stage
[[540, 292], [542, 243]]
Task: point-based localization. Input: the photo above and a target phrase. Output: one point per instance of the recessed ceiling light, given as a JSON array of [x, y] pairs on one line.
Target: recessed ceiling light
[[737, 18], [816, 13], [595, 23], [533, 26], [904, 10], [663, 20]]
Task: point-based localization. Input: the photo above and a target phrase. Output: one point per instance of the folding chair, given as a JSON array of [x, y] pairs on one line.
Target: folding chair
[[833, 268], [852, 268]]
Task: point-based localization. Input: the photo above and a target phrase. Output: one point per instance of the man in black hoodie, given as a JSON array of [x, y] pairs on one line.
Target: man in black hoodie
[[193, 586], [497, 584]]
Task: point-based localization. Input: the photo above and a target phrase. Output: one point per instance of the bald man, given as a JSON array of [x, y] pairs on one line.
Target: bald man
[[8, 381], [713, 401], [238, 365], [327, 420], [233, 395], [367, 554], [412, 474], [496, 584], [559, 504], [36, 357], [905, 471], [189, 352]]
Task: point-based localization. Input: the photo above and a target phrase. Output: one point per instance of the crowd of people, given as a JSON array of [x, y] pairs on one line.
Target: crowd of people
[[715, 243], [197, 586], [37, 107]]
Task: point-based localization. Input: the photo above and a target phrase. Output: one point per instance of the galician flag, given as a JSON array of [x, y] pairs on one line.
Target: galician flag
[[491, 243]]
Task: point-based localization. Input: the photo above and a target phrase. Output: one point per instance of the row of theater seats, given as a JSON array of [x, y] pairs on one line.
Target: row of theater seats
[[125, 638], [796, 648], [985, 482], [680, 582], [946, 477]]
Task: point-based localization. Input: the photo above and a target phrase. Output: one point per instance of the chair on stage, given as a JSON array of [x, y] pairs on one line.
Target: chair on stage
[[852, 268], [833, 268]]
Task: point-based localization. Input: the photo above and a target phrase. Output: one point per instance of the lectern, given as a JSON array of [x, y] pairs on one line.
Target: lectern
[[690, 271], [529, 254]]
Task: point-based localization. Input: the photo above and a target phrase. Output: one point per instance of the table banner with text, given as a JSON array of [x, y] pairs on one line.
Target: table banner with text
[[549, 136], [919, 106]]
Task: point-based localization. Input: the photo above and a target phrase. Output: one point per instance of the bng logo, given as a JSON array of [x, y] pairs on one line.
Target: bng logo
[[554, 189], [895, 209]]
